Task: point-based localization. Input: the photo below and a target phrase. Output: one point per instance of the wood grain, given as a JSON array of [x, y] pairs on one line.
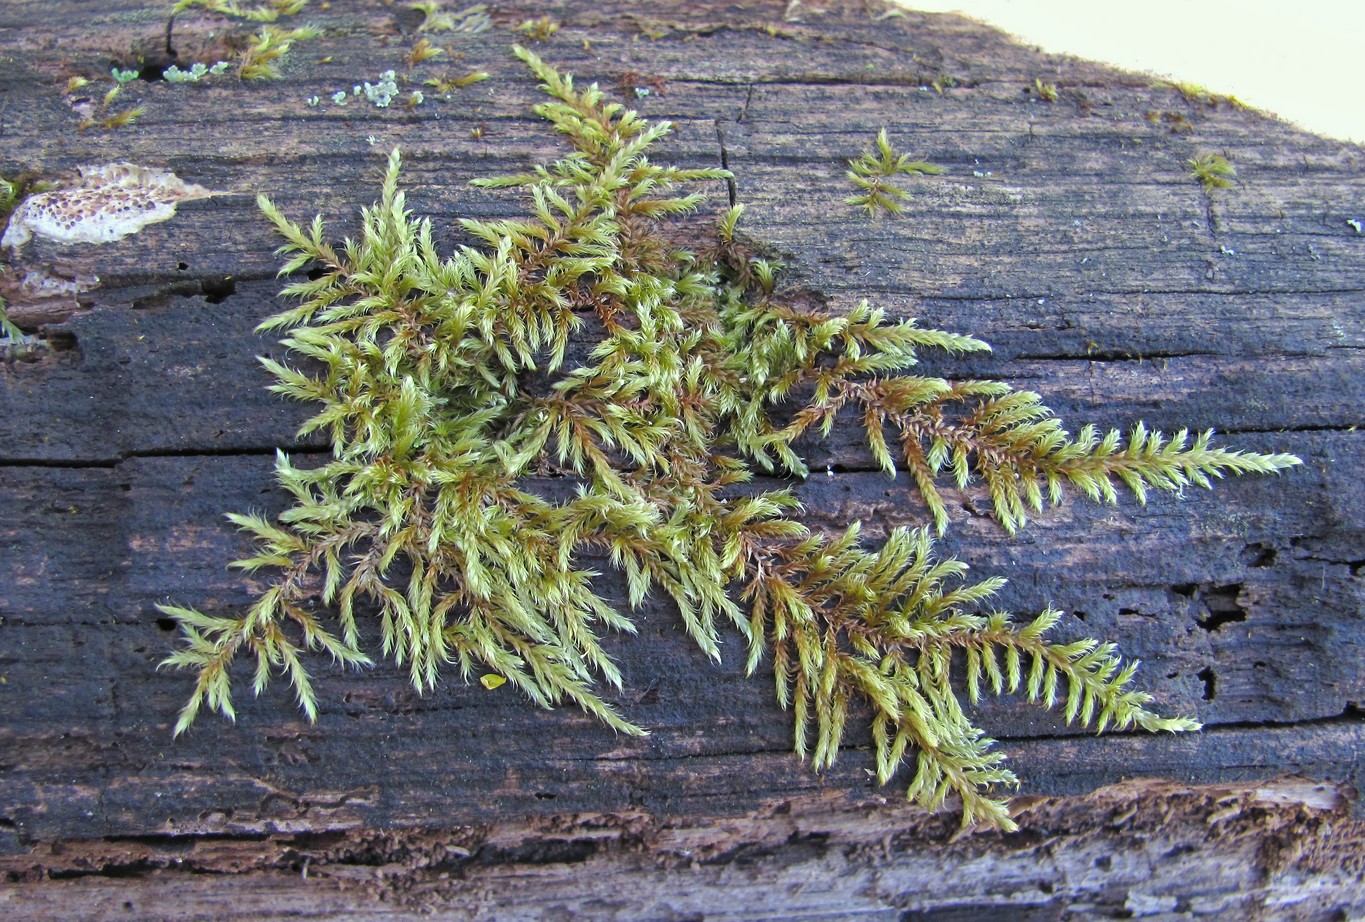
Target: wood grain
[[1067, 234]]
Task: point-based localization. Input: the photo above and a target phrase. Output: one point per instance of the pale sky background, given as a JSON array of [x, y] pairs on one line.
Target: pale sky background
[[1303, 61]]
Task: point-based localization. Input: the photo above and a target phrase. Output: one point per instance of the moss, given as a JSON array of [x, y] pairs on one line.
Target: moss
[[1213, 171], [446, 382]]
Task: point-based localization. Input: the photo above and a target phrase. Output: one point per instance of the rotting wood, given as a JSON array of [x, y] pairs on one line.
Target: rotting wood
[[1096, 268], [1141, 849]]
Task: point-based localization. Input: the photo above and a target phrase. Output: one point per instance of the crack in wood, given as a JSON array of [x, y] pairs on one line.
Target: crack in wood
[[730, 184]]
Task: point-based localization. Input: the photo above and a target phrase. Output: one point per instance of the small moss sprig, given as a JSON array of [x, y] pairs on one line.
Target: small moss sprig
[[103, 115], [261, 58], [1196, 94], [871, 175], [424, 50], [435, 18], [1213, 171], [539, 30], [259, 55], [446, 383], [269, 11], [447, 84]]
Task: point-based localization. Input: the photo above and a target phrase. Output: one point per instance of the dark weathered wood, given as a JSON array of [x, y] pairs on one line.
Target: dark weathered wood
[[1066, 234], [1143, 850]]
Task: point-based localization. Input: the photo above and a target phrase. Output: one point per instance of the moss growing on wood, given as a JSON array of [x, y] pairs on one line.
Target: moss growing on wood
[[445, 383], [1212, 171]]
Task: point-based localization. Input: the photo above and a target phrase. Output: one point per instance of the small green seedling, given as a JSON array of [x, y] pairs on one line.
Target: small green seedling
[[1045, 91]]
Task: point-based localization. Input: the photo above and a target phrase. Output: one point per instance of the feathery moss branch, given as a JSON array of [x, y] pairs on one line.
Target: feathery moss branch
[[1212, 171], [871, 175], [443, 382]]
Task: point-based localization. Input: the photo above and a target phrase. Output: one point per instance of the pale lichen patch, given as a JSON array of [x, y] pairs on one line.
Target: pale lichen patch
[[105, 203]]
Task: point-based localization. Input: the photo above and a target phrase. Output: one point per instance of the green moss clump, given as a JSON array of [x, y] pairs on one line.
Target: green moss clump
[[1212, 171], [445, 384]]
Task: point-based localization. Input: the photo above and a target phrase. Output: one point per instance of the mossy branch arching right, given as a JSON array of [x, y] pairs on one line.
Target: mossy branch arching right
[[423, 513]]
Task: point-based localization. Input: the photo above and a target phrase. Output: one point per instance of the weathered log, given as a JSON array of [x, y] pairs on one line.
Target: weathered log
[[1068, 234]]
